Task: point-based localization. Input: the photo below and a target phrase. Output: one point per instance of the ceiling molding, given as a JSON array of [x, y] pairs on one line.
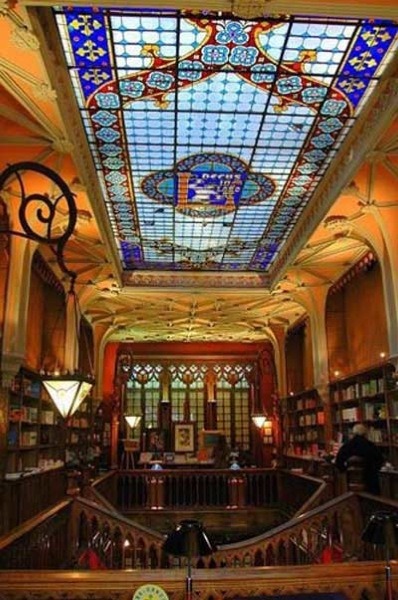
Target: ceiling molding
[[384, 9], [196, 280]]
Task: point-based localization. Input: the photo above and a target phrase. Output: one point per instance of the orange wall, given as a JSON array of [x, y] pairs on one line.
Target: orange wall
[[299, 364], [336, 332], [45, 336], [365, 319], [356, 324], [34, 333]]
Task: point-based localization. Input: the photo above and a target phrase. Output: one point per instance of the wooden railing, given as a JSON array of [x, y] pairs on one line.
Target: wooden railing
[[176, 490], [117, 542], [353, 581], [60, 538], [26, 497], [106, 485], [43, 542]]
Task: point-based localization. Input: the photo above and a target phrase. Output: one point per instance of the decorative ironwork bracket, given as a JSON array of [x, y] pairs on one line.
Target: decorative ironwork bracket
[[45, 212]]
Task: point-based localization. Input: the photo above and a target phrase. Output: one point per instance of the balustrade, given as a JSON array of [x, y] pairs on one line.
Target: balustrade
[[175, 490], [79, 528], [41, 543], [27, 496]]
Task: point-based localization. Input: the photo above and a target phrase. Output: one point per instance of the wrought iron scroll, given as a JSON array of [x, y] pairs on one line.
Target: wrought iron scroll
[[46, 212]]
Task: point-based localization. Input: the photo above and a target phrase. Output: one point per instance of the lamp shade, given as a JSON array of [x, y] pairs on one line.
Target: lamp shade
[[188, 539], [67, 392], [132, 420], [259, 420], [381, 529]]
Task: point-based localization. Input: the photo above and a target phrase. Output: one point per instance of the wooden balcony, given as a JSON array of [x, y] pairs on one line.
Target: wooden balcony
[[42, 558]]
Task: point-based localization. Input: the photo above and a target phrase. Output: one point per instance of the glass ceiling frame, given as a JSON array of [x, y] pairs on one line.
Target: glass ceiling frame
[[210, 133]]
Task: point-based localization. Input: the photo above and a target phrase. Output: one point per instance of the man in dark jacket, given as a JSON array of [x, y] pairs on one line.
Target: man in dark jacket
[[372, 458]]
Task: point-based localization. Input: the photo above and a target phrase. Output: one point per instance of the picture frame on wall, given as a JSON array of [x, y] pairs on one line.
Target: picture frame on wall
[[184, 437]]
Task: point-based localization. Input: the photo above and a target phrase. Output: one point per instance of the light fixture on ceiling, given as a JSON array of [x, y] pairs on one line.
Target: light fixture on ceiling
[[38, 218], [69, 387], [67, 391]]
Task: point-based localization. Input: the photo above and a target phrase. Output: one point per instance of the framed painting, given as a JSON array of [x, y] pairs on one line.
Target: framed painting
[[184, 437]]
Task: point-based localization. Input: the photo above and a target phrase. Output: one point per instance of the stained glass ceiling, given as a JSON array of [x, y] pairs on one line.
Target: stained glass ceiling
[[210, 133]]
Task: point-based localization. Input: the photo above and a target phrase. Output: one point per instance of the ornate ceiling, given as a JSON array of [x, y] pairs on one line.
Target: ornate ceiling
[[227, 198]]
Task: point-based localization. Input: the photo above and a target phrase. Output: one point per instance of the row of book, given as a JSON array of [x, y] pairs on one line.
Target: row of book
[[317, 418], [309, 435], [30, 414], [362, 390], [305, 403]]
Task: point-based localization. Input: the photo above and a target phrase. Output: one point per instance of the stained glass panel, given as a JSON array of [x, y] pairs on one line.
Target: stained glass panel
[[210, 133]]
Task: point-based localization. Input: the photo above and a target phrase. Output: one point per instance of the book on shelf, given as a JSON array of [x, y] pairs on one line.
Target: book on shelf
[[350, 415]]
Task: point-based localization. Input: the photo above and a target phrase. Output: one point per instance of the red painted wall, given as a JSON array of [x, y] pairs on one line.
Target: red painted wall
[[205, 349]]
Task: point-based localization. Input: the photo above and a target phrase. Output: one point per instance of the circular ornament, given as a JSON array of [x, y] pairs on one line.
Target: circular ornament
[[150, 592]]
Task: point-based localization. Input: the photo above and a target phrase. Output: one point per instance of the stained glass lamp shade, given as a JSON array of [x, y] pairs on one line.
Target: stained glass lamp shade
[[67, 392], [132, 420]]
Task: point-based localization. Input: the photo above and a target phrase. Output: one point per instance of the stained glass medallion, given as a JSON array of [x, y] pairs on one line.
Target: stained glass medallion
[[209, 133]]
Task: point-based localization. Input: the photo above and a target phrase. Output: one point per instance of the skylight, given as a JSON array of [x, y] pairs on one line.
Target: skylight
[[210, 133]]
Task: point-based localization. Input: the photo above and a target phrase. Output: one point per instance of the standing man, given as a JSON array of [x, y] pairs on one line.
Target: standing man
[[370, 454]]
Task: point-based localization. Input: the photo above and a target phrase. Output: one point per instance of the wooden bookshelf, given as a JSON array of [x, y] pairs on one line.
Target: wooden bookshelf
[[303, 424]]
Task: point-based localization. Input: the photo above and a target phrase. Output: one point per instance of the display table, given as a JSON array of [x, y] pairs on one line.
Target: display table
[[146, 460]]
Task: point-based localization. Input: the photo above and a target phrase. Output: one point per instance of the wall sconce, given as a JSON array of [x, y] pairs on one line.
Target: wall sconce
[[263, 423], [132, 420], [38, 216], [259, 420]]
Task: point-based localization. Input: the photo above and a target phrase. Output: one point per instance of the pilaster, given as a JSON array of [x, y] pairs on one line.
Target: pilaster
[[314, 300], [16, 306], [3, 428], [386, 218], [279, 340], [100, 332]]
